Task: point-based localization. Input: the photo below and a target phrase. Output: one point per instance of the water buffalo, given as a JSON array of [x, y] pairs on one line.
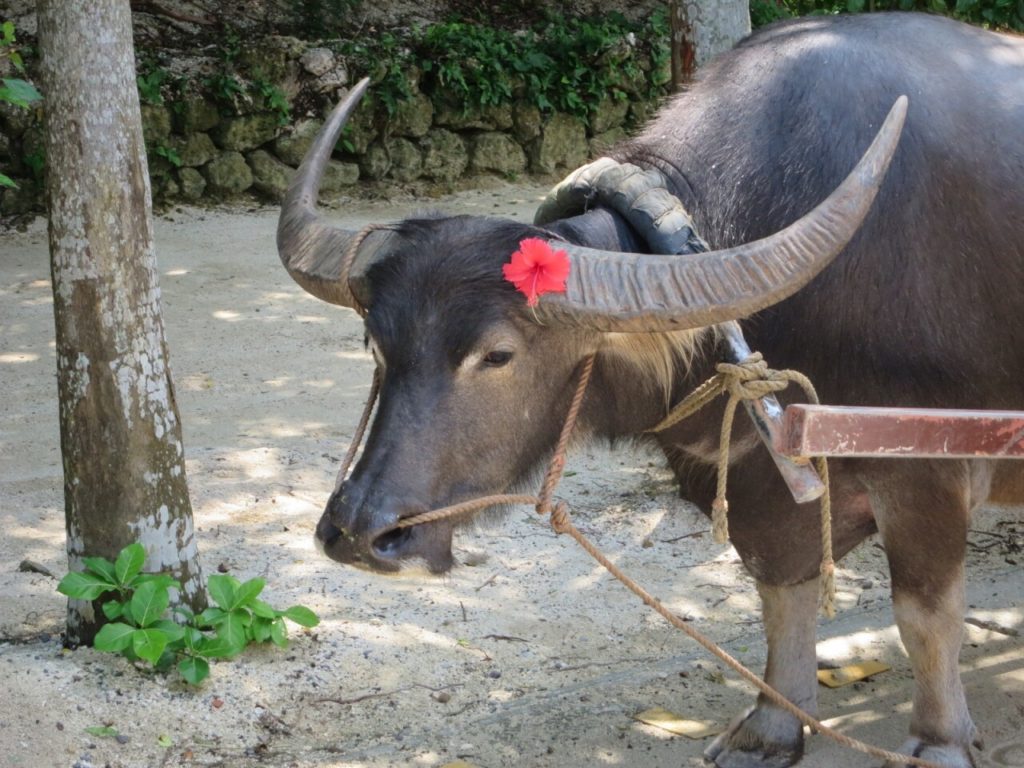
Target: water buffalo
[[917, 309]]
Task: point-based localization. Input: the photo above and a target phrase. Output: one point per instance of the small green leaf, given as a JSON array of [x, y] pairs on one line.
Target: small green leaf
[[264, 611], [174, 632], [149, 644], [113, 609], [232, 628], [301, 615], [16, 61], [260, 629], [103, 731], [7, 32], [211, 617], [83, 586], [247, 592], [194, 670], [193, 638], [222, 588], [149, 603], [113, 637], [129, 562], [161, 579], [21, 92], [166, 660], [164, 741], [7, 181], [279, 633], [218, 648], [101, 567]]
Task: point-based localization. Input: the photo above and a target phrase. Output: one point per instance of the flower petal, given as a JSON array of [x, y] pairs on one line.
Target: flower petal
[[536, 268]]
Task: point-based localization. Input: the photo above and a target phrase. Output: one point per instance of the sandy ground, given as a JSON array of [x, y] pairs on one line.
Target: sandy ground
[[526, 655]]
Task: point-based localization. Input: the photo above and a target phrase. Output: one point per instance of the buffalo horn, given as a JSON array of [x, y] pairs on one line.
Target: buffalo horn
[[312, 250], [630, 292]]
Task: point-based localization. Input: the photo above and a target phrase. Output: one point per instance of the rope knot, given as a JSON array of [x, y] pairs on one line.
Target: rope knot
[[560, 520], [751, 378], [748, 380]]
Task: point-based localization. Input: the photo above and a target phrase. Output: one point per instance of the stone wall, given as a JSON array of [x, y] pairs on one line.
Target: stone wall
[[212, 137]]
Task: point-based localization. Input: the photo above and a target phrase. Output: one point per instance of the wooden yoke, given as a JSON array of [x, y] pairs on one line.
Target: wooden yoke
[[828, 430]]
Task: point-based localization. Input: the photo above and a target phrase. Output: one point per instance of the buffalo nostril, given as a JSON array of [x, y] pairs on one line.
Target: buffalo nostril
[[391, 543], [328, 533]]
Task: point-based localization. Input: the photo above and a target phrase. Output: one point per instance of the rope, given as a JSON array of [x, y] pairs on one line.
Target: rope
[[557, 466], [541, 502], [349, 259], [563, 524], [357, 438], [561, 521], [749, 380]]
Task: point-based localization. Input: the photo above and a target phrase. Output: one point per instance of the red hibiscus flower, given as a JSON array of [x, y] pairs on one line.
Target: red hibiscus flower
[[537, 268]]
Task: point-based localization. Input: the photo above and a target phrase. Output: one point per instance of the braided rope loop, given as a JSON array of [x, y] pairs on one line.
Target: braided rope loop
[[751, 379]]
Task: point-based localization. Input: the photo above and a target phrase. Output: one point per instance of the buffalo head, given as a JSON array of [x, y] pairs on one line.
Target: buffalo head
[[475, 385]]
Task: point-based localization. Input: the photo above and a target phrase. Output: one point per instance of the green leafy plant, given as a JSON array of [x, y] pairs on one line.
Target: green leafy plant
[[1000, 14], [141, 627], [36, 161], [150, 84], [386, 59], [169, 154], [560, 63], [224, 83], [224, 87], [273, 98], [13, 90], [322, 18]]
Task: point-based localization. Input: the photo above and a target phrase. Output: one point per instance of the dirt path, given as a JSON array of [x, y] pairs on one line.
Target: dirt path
[[527, 655]]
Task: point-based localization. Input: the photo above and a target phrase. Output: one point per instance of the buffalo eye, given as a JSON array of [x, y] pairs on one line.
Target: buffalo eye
[[497, 358]]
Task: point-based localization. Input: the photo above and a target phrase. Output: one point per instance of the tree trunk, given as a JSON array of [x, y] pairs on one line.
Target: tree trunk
[[124, 469], [701, 29]]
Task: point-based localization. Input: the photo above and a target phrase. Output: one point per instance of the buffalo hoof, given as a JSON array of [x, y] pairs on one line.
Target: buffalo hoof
[[761, 737], [948, 755]]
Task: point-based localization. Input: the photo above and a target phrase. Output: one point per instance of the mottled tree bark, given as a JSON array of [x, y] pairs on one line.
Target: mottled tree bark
[[701, 29], [124, 469]]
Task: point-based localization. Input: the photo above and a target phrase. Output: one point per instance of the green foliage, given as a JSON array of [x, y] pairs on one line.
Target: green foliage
[[150, 84], [224, 84], [224, 87], [322, 18], [169, 154], [386, 60], [16, 91], [20, 93], [272, 98], [563, 64], [140, 626], [999, 14], [37, 162], [476, 62]]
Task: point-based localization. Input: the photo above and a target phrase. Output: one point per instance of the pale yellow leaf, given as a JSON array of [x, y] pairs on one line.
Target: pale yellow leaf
[[677, 724], [851, 673]]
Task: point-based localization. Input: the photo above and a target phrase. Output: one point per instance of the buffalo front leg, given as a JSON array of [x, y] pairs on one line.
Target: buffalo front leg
[[766, 736], [927, 568], [925, 534]]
